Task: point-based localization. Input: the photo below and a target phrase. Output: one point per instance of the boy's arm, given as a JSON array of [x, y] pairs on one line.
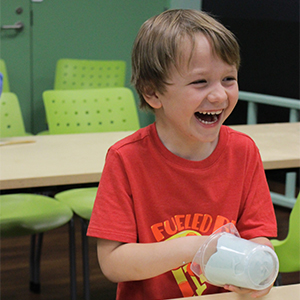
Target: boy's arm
[[263, 241], [136, 261], [254, 294]]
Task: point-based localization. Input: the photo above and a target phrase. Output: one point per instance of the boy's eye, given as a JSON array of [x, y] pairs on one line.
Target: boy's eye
[[199, 81], [229, 78]]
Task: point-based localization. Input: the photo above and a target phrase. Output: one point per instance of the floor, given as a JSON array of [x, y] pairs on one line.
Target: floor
[[55, 284], [55, 266]]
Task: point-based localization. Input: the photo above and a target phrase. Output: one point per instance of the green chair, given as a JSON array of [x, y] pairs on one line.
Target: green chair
[[86, 111], [73, 74], [83, 111], [3, 70], [78, 74], [11, 119], [81, 201], [288, 250], [30, 214]]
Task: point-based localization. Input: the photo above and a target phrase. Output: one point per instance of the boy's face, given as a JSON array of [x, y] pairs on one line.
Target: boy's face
[[198, 99]]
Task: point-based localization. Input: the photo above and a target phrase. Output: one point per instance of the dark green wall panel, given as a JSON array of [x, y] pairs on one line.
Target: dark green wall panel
[[15, 49], [90, 29]]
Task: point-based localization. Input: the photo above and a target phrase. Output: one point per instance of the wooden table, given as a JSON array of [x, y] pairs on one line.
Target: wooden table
[[79, 158], [279, 143], [48, 160], [288, 292]]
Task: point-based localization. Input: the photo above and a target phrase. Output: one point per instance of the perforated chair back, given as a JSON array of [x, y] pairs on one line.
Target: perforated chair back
[[3, 70], [11, 119], [84, 111], [73, 74], [288, 250]]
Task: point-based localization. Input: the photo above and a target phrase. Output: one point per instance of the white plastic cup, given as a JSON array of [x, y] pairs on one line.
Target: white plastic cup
[[226, 258]]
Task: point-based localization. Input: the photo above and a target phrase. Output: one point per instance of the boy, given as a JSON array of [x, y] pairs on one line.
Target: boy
[[168, 186]]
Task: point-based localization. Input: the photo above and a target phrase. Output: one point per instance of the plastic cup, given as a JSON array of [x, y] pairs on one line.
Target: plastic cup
[[226, 258]]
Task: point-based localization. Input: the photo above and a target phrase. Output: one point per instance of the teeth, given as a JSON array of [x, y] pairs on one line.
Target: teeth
[[208, 117], [210, 112], [206, 122]]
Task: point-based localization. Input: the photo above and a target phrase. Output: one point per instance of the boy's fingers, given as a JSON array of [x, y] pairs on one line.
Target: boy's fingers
[[258, 294], [254, 294], [236, 289]]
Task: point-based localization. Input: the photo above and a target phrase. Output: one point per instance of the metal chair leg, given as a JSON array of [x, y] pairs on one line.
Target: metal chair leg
[[72, 246], [278, 280], [85, 259], [35, 262]]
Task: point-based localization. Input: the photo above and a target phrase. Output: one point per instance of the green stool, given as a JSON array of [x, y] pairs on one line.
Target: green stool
[[30, 214], [81, 201]]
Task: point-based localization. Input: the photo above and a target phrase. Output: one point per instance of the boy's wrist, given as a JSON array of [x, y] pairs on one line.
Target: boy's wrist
[[192, 245]]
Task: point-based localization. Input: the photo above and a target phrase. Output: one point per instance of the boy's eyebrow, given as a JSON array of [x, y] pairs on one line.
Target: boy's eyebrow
[[202, 72]]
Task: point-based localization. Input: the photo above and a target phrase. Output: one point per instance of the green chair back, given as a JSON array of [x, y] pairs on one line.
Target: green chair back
[[11, 119], [3, 70], [73, 74], [85, 111], [288, 250]]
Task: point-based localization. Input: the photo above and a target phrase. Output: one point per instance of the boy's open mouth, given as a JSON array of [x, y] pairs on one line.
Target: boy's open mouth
[[208, 117]]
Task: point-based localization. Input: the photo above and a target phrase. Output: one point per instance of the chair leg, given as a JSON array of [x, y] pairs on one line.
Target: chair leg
[[85, 259], [278, 280], [35, 262], [72, 250]]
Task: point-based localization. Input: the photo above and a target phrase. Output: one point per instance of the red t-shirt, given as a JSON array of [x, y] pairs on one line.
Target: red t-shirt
[[148, 194]]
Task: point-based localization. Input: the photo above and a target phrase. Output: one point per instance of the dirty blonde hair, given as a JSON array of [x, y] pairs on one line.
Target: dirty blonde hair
[[161, 40]]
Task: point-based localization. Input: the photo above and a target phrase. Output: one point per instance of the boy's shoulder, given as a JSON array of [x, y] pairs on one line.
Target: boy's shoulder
[[239, 138], [237, 134], [135, 138]]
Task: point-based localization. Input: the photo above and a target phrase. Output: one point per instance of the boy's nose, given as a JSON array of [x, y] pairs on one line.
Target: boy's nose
[[217, 94]]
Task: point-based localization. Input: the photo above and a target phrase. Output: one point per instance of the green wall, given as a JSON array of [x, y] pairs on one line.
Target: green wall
[[86, 29], [83, 29]]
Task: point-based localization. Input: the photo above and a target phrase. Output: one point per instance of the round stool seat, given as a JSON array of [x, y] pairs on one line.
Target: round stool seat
[[26, 214], [81, 201]]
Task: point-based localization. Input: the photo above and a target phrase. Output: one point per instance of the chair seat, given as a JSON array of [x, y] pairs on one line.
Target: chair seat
[[288, 250], [81, 201], [26, 214]]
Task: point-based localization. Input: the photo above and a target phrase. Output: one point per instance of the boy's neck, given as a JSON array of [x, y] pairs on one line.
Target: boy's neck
[[196, 151]]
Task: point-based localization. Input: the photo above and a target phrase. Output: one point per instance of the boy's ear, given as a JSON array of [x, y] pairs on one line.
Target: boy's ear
[[152, 99]]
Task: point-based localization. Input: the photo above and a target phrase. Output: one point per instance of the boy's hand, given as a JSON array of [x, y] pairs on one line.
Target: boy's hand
[[254, 294]]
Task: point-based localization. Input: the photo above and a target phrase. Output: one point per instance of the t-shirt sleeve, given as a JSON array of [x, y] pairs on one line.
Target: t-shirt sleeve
[[113, 214], [257, 216]]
